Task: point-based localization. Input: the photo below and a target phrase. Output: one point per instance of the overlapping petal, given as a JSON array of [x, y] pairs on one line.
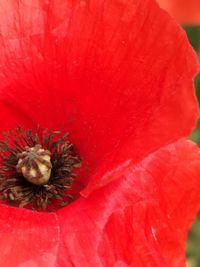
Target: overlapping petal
[[139, 220], [185, 11]]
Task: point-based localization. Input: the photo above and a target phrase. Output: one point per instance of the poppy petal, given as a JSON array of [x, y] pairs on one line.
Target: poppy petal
[[28, 239], [139, 220], [185, 11], [105, 71]]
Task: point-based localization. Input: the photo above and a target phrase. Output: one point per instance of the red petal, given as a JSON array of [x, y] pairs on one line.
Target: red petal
[[139, 220], [185, 11], [27, 239], [110, 72]]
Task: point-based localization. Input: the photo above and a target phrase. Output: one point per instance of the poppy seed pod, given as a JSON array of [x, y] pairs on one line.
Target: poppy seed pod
[[35, 165]]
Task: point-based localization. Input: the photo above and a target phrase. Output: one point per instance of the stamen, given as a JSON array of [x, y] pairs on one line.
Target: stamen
[[36, 171]]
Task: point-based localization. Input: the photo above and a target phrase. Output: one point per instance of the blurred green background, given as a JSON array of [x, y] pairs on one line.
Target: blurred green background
[[193, 242]]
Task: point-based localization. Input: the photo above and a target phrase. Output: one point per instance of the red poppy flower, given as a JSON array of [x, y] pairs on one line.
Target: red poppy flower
[[112, 74], [185, 11]]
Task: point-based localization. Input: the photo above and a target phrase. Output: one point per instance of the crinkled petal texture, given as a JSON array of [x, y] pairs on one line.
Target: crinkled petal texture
[[140, 220], [185, 11], [106, 71]]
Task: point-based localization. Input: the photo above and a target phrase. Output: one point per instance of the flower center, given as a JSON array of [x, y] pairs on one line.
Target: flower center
[[36, 170]]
